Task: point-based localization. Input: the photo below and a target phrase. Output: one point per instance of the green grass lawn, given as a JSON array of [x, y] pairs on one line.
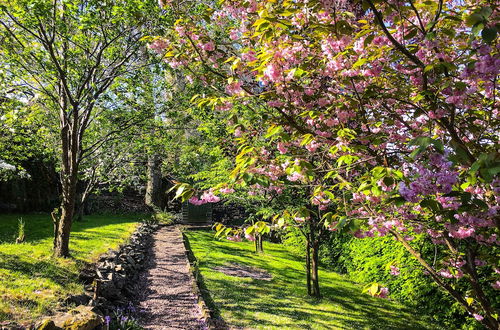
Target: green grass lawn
[[283, 302], [31, 280]]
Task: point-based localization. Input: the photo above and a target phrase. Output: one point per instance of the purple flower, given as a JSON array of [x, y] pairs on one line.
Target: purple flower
[[107, 318]]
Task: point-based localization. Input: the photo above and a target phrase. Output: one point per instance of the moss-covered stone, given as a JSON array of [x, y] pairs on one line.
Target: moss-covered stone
[[79, 318], [47, 324]]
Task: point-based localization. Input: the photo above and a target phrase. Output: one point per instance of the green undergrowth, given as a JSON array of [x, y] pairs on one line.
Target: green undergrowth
[[32, 282], [283, 301]]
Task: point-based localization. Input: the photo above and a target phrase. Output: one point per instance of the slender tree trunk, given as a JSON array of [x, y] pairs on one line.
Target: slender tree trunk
[[308, 264], [259, 247], [260, 244], [65, 221], [69, 183], [70, 146], [154, 192], [314, 269]]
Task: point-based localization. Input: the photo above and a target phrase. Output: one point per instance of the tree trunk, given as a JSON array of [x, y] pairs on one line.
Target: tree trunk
[[70, 147], [154, 192], [308, 265], [314, 269], [61, 246], [259, 247]]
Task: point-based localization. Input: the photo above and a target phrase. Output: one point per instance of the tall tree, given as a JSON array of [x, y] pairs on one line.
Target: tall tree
[[389, 114], [70, 52]]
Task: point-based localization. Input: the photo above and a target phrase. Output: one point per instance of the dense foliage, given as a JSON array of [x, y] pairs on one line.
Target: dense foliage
[[384, 112]]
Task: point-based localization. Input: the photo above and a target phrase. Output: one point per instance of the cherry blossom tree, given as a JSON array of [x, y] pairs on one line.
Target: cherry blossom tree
[[385, 112]]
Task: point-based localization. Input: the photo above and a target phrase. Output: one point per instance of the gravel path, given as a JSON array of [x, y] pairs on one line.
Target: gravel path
[[165, 294]]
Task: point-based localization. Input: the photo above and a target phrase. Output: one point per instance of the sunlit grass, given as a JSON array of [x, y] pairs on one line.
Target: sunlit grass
[[31, 280], [283, 302]]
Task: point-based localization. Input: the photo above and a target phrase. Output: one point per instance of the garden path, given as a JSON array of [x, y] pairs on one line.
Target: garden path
[[165, 293]]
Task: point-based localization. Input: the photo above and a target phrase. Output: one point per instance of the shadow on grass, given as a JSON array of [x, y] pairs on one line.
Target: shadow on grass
[[32, 269], [39, 226], [286, 297]]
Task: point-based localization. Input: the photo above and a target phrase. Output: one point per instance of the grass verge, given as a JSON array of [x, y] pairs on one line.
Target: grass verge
[[283, 302], [32, 282]]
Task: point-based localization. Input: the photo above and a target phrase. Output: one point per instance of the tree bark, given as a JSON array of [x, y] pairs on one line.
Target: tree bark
[[154, 192], [308, 265], [314, 270], [69, 180], [61, 248]]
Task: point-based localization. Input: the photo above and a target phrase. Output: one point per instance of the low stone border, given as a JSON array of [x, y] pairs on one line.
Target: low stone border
[[108, 283], [117, 271], [211, 320]]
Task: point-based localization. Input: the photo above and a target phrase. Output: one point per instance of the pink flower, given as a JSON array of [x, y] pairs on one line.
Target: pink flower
[[234, 238], [358, 197], [313, 146], [233, 34], [478, 317], [330, 122], [272, 72], [234, 88], [281, 148], [250, 237], [394, 270], [158, 45], [209, 197], [196, 201], [461, 232], [496, 285], [238, 132], [295, 176], [226, 190], [384, 292], [445, 273], [209, 46], [249, 56]]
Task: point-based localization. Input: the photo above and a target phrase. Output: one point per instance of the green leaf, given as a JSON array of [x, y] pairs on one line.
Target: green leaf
[[368, 40], [474, 19], [477, 28], [374, 289], [273, 130], [359, 63], [431, 204], [489, 34], [307, 138], [388, 181], [486, 12], [423, 142], [411, 34]]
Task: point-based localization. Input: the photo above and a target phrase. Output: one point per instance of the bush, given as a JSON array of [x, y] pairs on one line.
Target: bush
[[165, 218], [368, 260]]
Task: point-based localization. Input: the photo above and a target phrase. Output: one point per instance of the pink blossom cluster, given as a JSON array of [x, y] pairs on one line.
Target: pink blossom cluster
[[206, 197]]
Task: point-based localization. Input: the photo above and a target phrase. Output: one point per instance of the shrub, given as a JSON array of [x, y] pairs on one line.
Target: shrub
[[370, 259], [20, 231], [165, 218]]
